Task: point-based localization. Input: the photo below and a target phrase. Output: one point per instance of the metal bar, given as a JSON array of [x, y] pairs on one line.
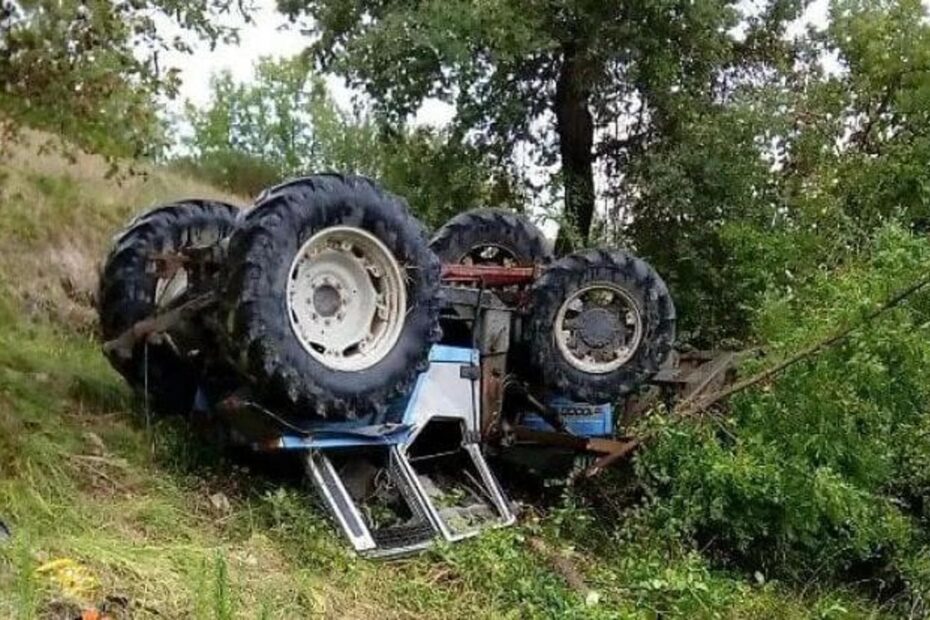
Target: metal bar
[[489, 275], [609, 459], [122, 346], [598, 445], [338, 500]]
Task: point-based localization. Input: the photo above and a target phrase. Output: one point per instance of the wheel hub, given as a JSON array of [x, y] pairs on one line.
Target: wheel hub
[[346, 298], [598, 327], [326, 300]]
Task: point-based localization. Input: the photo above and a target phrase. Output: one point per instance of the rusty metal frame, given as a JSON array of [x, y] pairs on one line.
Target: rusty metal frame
[[490, 276]]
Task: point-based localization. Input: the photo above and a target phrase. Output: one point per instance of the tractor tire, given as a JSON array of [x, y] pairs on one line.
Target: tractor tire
[[330, 300], [129, 289], [491, 237], [602, 323]]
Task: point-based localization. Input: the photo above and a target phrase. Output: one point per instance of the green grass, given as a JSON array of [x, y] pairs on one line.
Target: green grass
[[82, 479], [127, 508]]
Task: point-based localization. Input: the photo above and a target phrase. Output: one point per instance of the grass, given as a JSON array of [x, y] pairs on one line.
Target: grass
[[107, 512]]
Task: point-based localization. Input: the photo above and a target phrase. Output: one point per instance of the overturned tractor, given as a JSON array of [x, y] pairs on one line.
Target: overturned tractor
[[323, 319]]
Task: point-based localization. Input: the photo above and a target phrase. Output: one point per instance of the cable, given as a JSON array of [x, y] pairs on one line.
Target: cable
[[145, 387]]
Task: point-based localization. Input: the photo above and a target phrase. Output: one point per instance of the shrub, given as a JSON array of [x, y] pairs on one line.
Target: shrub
[[233, 171], [820, 473]]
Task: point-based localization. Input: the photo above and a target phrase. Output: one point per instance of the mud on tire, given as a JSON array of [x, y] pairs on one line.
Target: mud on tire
[[128, 288], [281, 247], [491, 236], [601, 324]]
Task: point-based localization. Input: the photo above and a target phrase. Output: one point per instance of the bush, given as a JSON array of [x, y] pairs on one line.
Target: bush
[[822, 473], [233, 171]]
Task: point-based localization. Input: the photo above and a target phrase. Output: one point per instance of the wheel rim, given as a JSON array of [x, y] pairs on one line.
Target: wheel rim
[[346, 298], [599, 328], [168, 290]]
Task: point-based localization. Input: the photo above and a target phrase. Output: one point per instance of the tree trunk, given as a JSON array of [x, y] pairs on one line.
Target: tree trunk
[[575, 127]]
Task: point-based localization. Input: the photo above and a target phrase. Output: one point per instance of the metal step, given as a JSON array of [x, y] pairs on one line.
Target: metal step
[[386, 542]]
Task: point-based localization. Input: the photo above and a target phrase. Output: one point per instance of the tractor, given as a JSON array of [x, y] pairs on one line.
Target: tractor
[[324, 321]]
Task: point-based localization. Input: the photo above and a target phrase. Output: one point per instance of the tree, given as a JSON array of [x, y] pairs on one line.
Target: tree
[[583, 80], [789, 173], [270, 119], [89, 69], [283, 123]]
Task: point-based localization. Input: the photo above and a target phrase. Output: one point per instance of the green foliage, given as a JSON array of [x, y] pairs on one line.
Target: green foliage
[[88, 70], [233, 171], [819, 474], [786, 175], [702, 216], [283, 124], [270, 119], [547, 73]]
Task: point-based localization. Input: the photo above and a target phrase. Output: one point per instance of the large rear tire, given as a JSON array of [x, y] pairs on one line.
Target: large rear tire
[[330, 300], [130, 291], [491, 237], [602, 323]]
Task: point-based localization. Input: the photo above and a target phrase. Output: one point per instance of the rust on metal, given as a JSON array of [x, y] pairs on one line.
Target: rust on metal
[[597, 445], [168, 263], [492, 391], [488, 275], [123, 345]]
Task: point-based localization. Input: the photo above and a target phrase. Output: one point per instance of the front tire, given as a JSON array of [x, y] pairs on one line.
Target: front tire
[[602, 323], [491, 237]]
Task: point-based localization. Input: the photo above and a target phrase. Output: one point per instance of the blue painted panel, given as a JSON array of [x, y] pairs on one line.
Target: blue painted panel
[[582, 419], [370, 436], [361, 432]]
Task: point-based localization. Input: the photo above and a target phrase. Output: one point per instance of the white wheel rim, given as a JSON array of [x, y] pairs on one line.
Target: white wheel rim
[[346, 298], [604, 347]]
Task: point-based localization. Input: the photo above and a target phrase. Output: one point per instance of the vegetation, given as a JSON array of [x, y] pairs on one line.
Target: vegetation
[[820, 475], [556, 74], [89, 70], [145, 521], [779, 184], [284, 123], [789, 176]]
